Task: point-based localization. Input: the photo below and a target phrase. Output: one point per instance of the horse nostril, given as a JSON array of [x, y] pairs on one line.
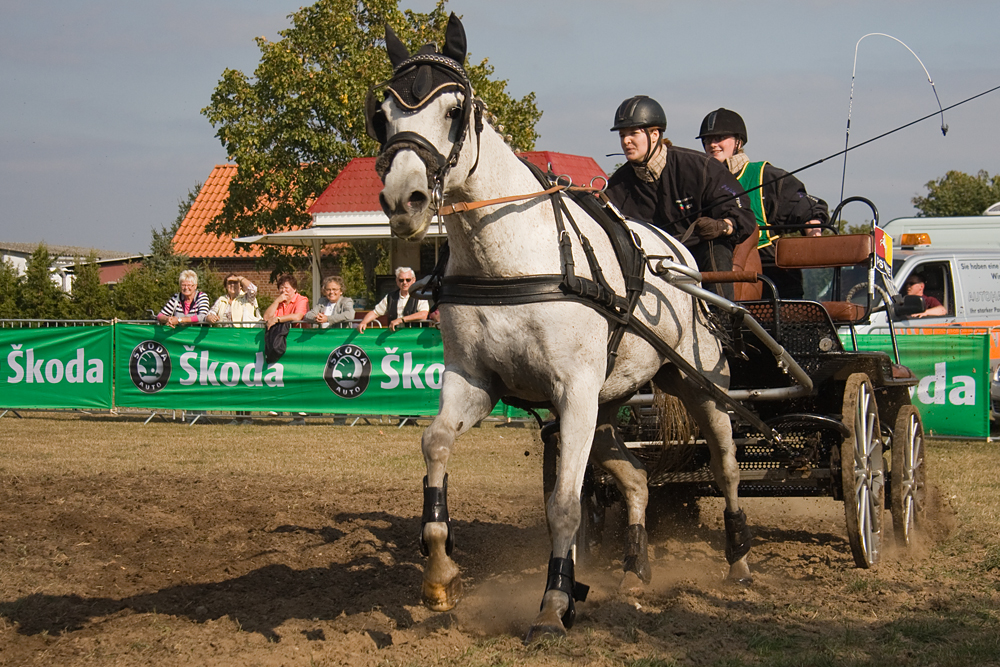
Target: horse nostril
[[418, 200]]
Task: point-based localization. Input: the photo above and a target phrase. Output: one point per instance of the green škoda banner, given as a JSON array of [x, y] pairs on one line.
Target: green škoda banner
[[337, 371], [953, 394], [58, 367]]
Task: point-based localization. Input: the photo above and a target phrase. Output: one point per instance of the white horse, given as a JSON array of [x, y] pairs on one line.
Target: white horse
[[554, 351]]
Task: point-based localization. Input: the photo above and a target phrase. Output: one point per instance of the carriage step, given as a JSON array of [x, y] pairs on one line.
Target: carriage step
[[769, 475]]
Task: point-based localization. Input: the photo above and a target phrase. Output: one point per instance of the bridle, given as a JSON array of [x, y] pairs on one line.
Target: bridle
[[436, 164]]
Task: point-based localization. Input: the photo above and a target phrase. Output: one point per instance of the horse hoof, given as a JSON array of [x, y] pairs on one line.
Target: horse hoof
[[442, 597], [631, 584], [739, 573], [538, 632]]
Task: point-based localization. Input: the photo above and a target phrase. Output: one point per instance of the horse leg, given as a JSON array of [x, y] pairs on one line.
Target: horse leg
[[610, 453], [717, 429], [576, 431], [463, 404]]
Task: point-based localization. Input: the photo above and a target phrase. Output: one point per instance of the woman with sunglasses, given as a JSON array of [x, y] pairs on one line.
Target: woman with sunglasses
[[397, 305]]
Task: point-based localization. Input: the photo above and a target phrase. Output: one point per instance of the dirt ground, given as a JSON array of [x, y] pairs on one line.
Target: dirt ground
[[215, 566]]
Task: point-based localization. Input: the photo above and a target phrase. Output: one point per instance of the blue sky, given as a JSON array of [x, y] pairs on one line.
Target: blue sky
[[101, 133]]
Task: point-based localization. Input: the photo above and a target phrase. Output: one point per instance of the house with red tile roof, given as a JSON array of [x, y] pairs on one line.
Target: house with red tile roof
[[347, 210], [220, 253]]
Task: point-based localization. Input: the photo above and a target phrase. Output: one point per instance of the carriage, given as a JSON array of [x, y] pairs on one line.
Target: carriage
[[840, 425], [551, 297]]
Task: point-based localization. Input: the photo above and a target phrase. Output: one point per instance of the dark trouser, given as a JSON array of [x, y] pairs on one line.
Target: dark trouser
[[713, 256]]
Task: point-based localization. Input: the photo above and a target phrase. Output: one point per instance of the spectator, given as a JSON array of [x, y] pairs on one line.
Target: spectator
[[238, 305], [397, 305], [188, 306], [914, 285], [333, 307], [289, 306]]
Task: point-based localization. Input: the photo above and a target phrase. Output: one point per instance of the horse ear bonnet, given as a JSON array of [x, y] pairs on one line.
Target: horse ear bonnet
[[395, 48], [419, 78], [454, 40]]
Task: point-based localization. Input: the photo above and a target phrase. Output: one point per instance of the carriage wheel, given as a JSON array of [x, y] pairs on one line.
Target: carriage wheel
[[862, 473], [908, 475]]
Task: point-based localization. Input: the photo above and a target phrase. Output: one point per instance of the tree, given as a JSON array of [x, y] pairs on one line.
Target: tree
[[90, 300], [41, 298], [360, 263], [958, 193], [10, 290], [300, 119], [162, 259]]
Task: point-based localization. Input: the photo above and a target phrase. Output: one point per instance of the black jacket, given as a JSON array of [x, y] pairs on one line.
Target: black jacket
[[786, 201], [692, 185]]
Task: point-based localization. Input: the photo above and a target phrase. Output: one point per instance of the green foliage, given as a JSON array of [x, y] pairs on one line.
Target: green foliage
[[359, 264], [90, 300], [162, 258], [299, 120], [958, 193], [10, 288], [183, 206], [211, 282], [143, 289], [40, 297]]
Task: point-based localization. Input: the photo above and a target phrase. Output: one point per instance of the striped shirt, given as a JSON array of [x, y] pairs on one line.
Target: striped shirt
[[198, 306]]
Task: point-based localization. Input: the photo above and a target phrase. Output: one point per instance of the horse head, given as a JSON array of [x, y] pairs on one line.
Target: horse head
[[422, 123]]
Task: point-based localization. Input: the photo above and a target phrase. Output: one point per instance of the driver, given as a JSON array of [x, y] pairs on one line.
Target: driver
[[781, 201], [683, 192], [915, 284]]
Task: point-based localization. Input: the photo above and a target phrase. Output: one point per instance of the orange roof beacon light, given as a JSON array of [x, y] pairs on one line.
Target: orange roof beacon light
[[915, 240]]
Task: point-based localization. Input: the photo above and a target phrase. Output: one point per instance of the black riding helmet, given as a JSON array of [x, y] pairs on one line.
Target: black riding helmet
[[639, 111], [723, 122], [642, 112]]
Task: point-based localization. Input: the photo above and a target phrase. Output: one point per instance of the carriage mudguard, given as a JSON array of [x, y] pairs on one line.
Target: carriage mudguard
[[560, 578], [436, 510], [738, 535]]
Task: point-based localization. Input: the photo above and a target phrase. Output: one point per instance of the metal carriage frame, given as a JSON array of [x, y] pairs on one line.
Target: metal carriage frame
[[826, 420]]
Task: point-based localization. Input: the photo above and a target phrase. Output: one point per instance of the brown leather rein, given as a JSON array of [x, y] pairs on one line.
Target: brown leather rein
[[461, 207]]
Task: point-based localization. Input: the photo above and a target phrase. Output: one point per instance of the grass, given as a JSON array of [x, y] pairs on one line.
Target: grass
[[955, 621], [64, 444]]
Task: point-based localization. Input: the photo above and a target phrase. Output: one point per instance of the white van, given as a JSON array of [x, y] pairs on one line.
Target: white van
[[959, 259], [980, 231]]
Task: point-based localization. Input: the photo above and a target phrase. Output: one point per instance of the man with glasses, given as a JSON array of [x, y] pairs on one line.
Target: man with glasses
[[333, 307], [397, 305]]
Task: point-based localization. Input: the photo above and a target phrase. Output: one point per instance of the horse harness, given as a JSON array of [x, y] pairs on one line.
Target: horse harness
[[414, 83]]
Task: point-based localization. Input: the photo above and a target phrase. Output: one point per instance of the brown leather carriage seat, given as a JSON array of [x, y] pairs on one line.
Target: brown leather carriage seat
[[747, 258], [823, 252]]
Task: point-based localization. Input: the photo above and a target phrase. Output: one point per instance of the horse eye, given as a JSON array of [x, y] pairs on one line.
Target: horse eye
[[453, 113]]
